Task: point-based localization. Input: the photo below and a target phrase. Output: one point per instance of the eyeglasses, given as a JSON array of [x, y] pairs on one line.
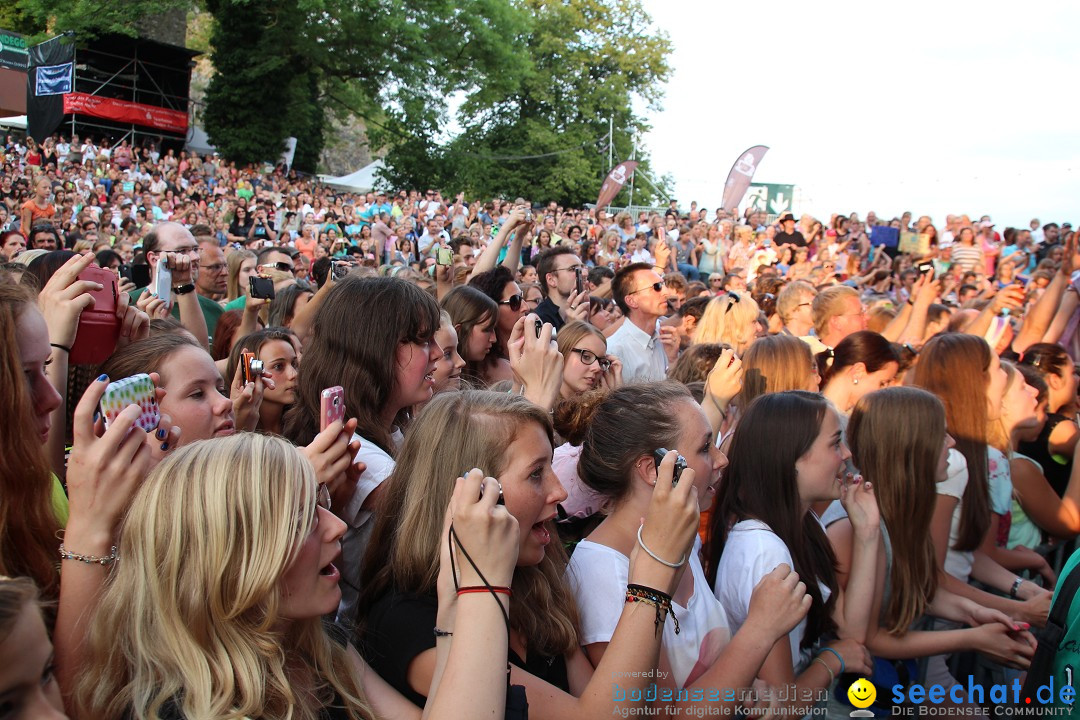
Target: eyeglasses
[[588, 357], [322, 500], [656, 287], [215, 268], [282, 266], [573, 268], [186, 250], [514, 301]]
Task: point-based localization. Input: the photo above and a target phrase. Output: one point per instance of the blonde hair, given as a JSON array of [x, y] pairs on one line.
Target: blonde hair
[[829, 303], [743, 232], [774, 364], [190, 615], [467, 429], [997, 436], [730, 318]]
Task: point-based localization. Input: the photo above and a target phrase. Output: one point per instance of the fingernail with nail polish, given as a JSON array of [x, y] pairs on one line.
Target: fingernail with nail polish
[[102, 377], [164, 446], [161, 433]]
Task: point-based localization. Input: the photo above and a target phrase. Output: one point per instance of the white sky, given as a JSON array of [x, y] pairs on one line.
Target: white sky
[[931, 106]]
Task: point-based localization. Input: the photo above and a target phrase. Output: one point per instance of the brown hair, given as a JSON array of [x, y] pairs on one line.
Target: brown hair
[[955, 367], [28, 524], [901, 459], [472, 428], [696, 362], [632, 421], [545, 264], [865, 346]]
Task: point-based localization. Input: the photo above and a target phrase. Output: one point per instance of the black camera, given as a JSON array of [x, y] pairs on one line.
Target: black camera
[[680, 465]]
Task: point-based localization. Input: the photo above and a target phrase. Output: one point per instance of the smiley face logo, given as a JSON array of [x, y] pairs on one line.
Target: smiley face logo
[[862, 693]]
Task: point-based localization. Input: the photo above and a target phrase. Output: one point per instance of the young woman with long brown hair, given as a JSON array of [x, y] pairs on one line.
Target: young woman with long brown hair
[[786, 455], [967, 377], [905, 461]]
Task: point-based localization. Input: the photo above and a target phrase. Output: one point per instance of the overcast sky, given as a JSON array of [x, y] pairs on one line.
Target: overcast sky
[[931, 106]]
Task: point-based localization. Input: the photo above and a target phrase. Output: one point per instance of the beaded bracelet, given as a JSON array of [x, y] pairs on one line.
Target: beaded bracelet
[[89, 559], [661, 601]]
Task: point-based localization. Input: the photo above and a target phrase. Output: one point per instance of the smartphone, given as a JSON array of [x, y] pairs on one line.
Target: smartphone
[[579, 282], [163, 281], [926, 268], [134, 390], [444, 256], [332, 406], [341, 269], [140, 274], [99, 328], [261, 287], [252, 366], [680, 465]]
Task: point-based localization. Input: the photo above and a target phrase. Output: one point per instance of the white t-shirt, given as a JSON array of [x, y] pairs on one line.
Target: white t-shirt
[[753, 551], [598, 576], [361, 522], [957, 563]]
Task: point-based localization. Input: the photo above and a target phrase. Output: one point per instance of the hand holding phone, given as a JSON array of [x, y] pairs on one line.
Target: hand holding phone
[[163, 280], [134, 390], [332, 406], [261, 287], [99, 327], [680, 464], [579, 282]]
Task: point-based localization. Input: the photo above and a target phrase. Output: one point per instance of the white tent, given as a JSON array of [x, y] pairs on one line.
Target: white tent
[[363, 180], [198, 141], [16, 121]]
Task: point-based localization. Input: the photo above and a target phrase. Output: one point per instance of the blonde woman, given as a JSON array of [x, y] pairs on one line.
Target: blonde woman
[[228, 569], [511, 439], [732, 318]]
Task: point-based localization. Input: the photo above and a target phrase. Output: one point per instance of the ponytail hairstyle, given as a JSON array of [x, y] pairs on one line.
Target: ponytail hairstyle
[[632, 421], [864, 346], [760, 483], [901, 460], [955, 367]]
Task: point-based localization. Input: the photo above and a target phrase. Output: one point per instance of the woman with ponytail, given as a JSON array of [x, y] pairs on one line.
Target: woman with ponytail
[[860, 364]]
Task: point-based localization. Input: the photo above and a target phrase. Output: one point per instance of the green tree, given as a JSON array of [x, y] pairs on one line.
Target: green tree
[[88, 18], [588, 61]]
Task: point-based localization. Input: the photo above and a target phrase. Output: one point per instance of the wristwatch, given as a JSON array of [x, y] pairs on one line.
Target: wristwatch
[[183, 289]]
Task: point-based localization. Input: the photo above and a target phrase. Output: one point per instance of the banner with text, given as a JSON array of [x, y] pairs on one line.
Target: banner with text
[[126, 111]]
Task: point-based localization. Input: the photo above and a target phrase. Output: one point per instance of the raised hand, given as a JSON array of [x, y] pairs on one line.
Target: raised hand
[[668, 530], [535, 361], [332, 452], [64, 297]]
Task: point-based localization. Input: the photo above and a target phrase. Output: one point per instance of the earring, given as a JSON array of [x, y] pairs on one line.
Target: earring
[[855, 381]]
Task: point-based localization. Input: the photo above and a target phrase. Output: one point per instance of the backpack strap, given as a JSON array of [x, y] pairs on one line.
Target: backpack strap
[[1051, 636]]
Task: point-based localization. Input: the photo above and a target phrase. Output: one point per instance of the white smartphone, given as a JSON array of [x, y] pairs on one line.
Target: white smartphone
[[163, 281]]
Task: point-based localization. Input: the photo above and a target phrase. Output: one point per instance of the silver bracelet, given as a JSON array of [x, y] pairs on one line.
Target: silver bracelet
[[89, 559], [654, 556], [832, 675]]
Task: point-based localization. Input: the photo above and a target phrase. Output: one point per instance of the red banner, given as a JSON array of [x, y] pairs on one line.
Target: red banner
[[738, 179], [126, 111], [614, 182]]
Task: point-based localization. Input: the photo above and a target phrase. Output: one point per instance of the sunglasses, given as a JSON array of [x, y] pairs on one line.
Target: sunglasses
[[588, 357], [282, 266], [734, 300], [514, 301], [656, 287]]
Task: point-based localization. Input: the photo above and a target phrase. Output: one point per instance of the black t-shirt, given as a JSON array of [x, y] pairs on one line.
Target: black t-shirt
[[400, 626], [240, 230], [796, 238], [1056, 473], [549, 313]]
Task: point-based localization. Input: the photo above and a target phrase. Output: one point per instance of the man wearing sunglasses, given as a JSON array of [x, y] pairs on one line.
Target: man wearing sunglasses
[[641, 344]]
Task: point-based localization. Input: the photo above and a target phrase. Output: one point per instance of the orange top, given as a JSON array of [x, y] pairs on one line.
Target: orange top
[[37, 212]]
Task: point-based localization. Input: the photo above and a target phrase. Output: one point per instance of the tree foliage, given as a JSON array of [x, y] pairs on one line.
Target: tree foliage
[[90, 18], [587, 62]]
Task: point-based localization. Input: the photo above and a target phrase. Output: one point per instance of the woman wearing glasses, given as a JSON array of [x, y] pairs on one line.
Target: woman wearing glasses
[[587, 364]]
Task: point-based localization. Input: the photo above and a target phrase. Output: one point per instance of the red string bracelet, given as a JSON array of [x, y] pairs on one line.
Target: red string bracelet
[[482, 589]]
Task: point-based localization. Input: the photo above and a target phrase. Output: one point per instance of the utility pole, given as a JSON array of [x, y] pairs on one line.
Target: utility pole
[[610, 142]]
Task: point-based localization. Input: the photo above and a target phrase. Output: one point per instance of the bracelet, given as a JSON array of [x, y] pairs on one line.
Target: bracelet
[[722, 411], [832, 675], [89, 559], [58, 346], [443, 633], [661, 601], [1015, 587], [483, 589], [654, 556], [838, 657]]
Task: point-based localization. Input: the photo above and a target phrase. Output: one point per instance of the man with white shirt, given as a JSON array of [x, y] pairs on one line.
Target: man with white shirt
[[433, 235], [643, 347]]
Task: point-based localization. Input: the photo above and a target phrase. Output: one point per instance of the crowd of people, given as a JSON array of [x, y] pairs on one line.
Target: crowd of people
[[407, 455]]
